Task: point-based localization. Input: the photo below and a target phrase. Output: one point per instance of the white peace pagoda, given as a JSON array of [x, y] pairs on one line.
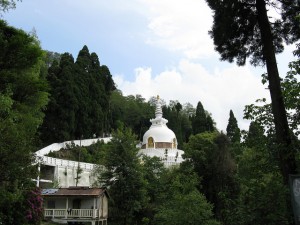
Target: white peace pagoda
[[160, 141]]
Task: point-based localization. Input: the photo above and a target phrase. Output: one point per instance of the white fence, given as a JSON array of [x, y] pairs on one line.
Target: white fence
[[171, 157], [71, 213], [49, 161], [57, 146]]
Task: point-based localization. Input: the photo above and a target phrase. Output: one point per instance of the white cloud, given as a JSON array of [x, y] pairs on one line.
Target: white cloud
[[180, 26], [220, 91]]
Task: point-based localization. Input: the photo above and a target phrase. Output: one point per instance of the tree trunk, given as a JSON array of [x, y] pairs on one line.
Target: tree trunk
[[286, 152]]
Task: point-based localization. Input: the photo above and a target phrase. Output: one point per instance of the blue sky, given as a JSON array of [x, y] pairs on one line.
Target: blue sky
[[151, 47]]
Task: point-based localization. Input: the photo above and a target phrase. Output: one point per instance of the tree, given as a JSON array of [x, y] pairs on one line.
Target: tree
[[51, 57], [291, 90], [261, 111], [131, 111], [199, 121], [153, 171], [59, 123], [255, 136], [123, 176], [210, 156], [202, 121], [176, 120], [80, 98], [260, 182], [233, 131], [181, 202], [242, 29], [23, 95], [5, 5]]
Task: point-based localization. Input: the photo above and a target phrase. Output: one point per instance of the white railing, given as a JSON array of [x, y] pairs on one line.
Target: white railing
[[46, 160], [57, 146], [71, 213], [57, 213], [170, 158]]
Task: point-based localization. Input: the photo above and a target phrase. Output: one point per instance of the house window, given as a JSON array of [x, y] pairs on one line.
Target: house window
[[150, 142], [51, 204]]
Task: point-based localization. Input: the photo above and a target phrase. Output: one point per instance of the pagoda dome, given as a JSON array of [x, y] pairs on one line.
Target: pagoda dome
[[159, 135]]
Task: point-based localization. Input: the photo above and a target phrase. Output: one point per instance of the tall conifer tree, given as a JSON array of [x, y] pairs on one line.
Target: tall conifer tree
[[202, 121], [80, 96], [242, 29], [233, 131], [199, 121]]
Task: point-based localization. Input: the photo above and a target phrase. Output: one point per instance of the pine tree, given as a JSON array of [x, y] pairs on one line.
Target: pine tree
[[80, 98], [233, 131], [199, 122], [242, 29], [59, 123]]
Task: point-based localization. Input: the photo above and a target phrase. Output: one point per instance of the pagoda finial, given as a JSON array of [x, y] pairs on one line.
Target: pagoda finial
[[158, 110]]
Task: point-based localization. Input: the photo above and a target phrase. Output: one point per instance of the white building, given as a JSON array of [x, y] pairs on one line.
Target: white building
[[64, 173], [160, 141]]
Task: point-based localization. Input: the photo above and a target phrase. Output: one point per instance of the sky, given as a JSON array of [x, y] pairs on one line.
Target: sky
[[152, 47]]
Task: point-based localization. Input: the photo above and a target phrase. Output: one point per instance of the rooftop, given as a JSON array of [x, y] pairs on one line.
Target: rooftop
[[74, 191]]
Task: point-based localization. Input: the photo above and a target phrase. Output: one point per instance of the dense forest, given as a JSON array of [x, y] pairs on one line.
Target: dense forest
[[232, 177]]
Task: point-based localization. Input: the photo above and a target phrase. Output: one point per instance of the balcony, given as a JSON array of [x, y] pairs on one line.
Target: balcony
[[71, 213]]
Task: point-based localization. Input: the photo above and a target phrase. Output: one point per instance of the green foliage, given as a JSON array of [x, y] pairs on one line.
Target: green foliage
[[90, 154], [123, 177], [255, 137], [21, 206], [237, 31], [202, 121], [291, 90], [261, 112], [51, 57], [131, 111], [210, 156], [23, 95], [80, 97], [260, 184], [233, 131], [178, 121], [153, 169], [12, 207], [18, 49], [5, 5], [181, 202]]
